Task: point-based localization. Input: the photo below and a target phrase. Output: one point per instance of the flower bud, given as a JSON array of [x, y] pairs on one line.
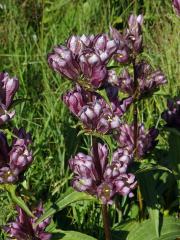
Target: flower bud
[[8, 87], [74, 100]]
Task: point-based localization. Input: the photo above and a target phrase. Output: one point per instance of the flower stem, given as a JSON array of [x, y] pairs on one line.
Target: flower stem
[[106, 223], [105, 216], [135, 110]]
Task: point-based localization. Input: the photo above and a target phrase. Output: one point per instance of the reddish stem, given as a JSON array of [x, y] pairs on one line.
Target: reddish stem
[[106, 223]]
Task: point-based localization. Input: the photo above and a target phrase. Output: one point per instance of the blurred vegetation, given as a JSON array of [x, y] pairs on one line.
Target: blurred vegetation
[[28, 31]]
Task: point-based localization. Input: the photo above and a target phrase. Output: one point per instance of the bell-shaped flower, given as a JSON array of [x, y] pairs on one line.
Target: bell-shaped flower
[[75, 99], [20, 154], [122, 54], [134, 33], [148, 80], [14, 159], [126, 83], [172, 114], [92, 68], [8, 88], [77, 44], [145, 142], [25, 227], [125, 183], [62, 61], [105, 47], [106, 192]]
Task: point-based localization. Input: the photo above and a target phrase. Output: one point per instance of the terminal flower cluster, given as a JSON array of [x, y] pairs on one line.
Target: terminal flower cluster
[[96, 176]]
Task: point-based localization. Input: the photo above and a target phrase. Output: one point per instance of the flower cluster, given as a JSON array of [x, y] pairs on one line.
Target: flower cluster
[[172, 115], [95, 114], [145, 141], [96, 176], [16, 158], [8, 88], [84, 58], [25, 227]]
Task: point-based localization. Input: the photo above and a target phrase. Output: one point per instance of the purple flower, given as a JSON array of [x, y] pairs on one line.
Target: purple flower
[[24, 226], [130, 42], [146, 141], [77, 44], [112, 78], [122, 54], [105, 47], [172, 115], [125, 183], [98, 116], [94, 175], [92, 68], [106, 192], [121, 106], [176, 5], [148, 80], [126, 83], [75, 100], [8, 88], [16, 158], [94, 113], [134, 33], [62, 61]]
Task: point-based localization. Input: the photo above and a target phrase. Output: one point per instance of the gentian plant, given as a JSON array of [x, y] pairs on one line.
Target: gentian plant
[[92, 64]]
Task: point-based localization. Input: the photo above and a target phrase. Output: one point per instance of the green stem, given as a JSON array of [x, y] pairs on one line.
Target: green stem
[[18, 200]]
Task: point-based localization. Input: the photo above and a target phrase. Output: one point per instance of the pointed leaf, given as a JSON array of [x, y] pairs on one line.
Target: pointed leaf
[[145, 230], [18, 200], [64, 202]]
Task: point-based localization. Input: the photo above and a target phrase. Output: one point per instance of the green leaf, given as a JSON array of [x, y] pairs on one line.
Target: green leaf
[[145, 230], [154, 216], [18, 200], [148, 187], [68, 199], [153, 168], [71, 235]]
